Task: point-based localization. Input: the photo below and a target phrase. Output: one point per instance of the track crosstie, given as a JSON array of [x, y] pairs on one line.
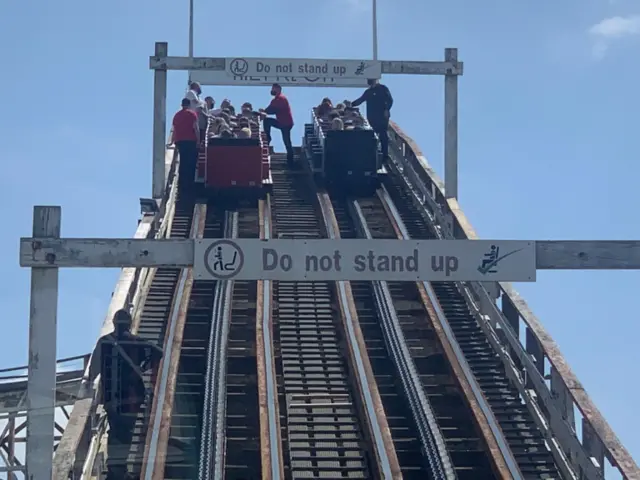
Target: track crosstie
[[325, 440]]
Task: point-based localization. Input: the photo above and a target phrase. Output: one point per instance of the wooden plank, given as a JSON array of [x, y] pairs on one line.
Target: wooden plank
[[186, 63], [106, 252], [408, 67], [41, 380], [588, 255], [398, 67]]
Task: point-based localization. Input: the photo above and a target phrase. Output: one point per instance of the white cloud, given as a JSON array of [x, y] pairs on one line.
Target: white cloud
[[610, 29], [617, 27]]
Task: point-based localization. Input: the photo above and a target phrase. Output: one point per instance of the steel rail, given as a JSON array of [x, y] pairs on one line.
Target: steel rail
[[270, 439], [158, 435], [384, 449], [59, 361], [433, 443], [478, 398], [211, 464]]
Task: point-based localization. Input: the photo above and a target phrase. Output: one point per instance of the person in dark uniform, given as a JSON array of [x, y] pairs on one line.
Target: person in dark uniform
[[121, 358], [279, 107], [379, 102]]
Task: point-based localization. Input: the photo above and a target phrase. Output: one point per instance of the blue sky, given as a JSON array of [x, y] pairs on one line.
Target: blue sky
[[548, 137]]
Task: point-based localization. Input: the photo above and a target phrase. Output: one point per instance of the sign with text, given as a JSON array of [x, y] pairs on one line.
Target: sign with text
[[303, 67], [391, 260], [210, 77]]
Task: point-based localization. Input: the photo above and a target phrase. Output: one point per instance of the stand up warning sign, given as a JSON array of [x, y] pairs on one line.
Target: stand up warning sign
[[368, 260], [303, 67]]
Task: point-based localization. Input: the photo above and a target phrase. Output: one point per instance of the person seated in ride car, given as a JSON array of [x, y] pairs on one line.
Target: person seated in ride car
[[324, 108], [244, 133]]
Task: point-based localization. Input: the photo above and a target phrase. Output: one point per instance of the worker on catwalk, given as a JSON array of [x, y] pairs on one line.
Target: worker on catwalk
[[279, 107], [186, 136], [122, 358], [379, 102]]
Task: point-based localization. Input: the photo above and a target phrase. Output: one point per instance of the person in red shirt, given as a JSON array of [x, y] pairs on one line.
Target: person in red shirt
[[279, 107], [186, 136]]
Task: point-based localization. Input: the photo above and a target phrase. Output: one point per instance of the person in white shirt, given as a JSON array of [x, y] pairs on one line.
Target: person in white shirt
[[194, 96]]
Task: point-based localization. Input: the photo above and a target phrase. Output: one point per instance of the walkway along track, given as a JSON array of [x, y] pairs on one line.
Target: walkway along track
[[196, 305], [151, 325], [322, 434], [522, 436]]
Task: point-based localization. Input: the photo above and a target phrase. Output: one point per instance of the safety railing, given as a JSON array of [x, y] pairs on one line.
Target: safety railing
[[554, 403]]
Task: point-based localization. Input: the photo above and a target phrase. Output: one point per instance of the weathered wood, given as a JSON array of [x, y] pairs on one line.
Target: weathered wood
[[588, 255], [106, 252], [451, 127], [616, 452], [127, 252], [41, 380], [408, 67], [399, 67], [159, 125]]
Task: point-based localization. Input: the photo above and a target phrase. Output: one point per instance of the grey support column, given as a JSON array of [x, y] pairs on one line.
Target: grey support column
[[159, 122], [41, 383], [451, 128]]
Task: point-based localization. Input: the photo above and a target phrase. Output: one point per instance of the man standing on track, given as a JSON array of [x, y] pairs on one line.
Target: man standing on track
[[186, 136], [279, 107], [121, 358], [379, 102]]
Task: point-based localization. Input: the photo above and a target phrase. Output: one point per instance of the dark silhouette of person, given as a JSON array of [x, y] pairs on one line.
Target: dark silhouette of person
[[122, 358], [379, 102]]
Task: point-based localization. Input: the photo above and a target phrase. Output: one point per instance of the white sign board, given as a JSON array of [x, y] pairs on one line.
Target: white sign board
[[368, 260], [303, 67], [291, 72], [210, 77]]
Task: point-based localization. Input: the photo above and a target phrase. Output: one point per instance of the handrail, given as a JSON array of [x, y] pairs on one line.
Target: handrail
[[59, 361], [566, 391]]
